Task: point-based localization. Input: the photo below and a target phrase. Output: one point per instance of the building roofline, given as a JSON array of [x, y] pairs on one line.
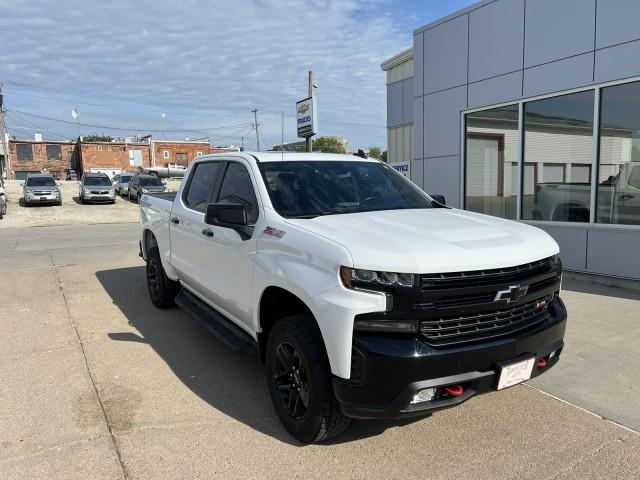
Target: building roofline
[[397, 59], [203, 142], [453, 15], [61, 142]]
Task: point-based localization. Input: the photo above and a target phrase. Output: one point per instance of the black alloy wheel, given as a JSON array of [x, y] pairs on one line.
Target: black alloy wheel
[[291, 380]]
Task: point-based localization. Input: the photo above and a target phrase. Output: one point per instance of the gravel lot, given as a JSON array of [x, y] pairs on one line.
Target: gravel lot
[[72, 212]]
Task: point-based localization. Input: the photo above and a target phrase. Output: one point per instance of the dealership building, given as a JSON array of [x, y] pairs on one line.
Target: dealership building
[[530, 110]]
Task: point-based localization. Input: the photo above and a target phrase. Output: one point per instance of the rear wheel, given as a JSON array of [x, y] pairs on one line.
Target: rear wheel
[[299, 380], [162, 290]]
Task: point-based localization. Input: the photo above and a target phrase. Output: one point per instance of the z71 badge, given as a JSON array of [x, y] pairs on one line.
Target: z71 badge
[[274, 232]]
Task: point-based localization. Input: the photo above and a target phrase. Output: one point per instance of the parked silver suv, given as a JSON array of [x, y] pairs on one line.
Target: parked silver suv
[[96, 187], [41, 188]]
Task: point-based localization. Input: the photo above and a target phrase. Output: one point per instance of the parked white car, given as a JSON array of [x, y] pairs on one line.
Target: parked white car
[[365, 297]]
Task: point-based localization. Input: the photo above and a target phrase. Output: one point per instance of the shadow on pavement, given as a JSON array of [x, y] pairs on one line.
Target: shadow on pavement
[[581, 286], [231, 383]]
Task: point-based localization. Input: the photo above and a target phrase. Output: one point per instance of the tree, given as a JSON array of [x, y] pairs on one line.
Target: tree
[[375, 152], [384, 156], [328, 145], [97, 138]]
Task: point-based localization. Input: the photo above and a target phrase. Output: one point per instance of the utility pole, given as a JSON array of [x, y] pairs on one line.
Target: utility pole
[[255, 117], [309, 140], [5, 149]]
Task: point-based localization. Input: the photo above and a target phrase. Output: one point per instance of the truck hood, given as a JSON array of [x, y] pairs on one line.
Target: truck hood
[[431, 240]]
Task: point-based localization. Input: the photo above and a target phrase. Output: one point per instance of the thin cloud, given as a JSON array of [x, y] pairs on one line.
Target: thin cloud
[[227, 56]]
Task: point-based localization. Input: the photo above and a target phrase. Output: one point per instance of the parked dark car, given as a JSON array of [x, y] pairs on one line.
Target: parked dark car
[[140, 184]]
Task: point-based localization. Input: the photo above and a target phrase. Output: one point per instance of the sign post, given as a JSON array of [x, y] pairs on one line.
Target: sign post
[[306, 115]]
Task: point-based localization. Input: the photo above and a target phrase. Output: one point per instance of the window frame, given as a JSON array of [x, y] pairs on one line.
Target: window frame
[[166, 155], [597, 89], [52, 159], [212, 189], [18, 159], [216, 192]]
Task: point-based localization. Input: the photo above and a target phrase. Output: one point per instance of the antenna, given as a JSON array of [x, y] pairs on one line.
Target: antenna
[[282, 138]]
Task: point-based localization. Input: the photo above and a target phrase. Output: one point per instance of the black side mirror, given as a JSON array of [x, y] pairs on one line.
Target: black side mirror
[[439, 198], [229, 215]]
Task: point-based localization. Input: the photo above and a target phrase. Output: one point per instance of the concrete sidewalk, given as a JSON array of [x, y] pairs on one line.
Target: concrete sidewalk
[[97, 383]]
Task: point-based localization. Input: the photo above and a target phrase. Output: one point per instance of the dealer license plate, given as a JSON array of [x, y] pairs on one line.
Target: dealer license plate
[[515, 373], [43, 198]]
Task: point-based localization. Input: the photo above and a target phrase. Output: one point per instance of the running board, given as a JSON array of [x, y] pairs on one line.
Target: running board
[[232, 336]]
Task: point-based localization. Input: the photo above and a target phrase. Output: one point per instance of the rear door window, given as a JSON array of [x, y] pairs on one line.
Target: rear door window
[[201, 184]]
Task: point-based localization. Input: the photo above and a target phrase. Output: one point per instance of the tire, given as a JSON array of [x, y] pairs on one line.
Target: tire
[[297, 338], [162, 290], [82, 199], [3, 210], [59, 204]]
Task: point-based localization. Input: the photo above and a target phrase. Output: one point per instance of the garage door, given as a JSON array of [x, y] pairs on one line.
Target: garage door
[[23, 175]]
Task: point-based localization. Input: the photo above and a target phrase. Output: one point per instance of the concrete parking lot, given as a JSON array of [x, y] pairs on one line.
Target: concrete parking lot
[[97, 383]]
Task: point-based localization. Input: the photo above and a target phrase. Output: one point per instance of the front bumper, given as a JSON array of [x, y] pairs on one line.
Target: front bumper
[[43, 198], [390, 370], [99, 198]]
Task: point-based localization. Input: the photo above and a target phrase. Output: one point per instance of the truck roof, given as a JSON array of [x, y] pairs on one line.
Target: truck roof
[[293, 156]]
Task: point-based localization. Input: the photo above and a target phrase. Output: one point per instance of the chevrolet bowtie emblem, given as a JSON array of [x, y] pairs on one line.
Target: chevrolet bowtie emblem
[[511, 294], [302, 109]]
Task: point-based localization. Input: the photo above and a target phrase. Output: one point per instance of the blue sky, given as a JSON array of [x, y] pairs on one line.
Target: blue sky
[[203, 64]]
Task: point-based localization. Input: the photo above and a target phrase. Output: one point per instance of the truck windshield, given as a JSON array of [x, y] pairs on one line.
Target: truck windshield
[[307, 189], [150, 182], [97, 181], [41, 182]]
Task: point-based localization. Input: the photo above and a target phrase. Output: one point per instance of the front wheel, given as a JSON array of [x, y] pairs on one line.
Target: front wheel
[[299, 380], [162, 290]]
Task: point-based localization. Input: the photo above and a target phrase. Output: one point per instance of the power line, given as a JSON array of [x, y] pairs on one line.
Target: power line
[[189, 106], [129, 129]]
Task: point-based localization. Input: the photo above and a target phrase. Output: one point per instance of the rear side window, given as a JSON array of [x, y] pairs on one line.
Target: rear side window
[[202, 181], [237, 188]]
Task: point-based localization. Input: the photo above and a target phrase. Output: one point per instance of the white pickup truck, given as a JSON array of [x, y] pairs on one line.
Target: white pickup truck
[[365, 297], [171, 170]]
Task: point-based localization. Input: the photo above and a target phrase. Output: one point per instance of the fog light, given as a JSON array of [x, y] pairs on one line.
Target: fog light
[[425, 395]]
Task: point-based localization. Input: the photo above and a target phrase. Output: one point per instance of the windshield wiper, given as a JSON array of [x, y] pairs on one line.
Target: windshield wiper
[[311, 215]]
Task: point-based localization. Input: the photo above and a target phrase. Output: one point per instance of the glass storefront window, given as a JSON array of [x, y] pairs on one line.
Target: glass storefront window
[[618, 197], [491, 172], [558, 154]]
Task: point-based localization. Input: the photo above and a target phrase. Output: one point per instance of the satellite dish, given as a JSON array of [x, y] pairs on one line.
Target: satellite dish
[[75, 113]]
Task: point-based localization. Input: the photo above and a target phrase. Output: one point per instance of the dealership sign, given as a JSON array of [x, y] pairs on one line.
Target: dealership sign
[[307, 118], [403, 167]]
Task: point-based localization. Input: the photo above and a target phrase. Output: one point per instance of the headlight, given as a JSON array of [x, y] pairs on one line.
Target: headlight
[[145, 190], [371, 279]]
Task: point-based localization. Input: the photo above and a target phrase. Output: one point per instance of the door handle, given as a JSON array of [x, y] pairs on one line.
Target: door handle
[[207, 232], [626, 197], [175, 220]]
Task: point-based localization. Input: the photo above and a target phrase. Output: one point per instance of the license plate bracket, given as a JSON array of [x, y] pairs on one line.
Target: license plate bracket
[[514, 373]]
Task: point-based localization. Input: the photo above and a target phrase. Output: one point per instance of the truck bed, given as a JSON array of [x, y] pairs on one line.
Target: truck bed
[[170, 196]]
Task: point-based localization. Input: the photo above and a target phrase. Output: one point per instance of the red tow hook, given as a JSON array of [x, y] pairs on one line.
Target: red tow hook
[[454, 390], [542, 363]]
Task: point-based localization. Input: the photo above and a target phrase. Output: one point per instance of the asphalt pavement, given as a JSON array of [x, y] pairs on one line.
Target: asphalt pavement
[[97, 383]]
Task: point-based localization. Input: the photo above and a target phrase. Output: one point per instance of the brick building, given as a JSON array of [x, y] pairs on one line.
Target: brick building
[[114, 157], [57, 158], [176, 151], [28, 156]]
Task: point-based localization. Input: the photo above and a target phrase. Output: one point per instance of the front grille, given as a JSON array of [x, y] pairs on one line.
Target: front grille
[[481, 326], [42, 192], [99, 192], [486, 277]]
